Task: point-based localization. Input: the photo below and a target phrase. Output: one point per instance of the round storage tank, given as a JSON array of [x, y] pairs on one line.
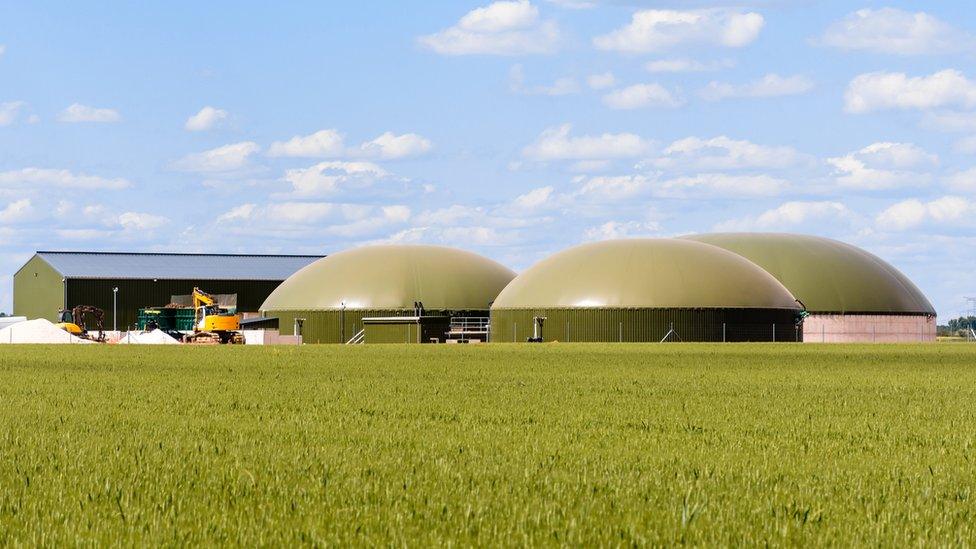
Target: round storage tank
[[327, 300], [645, 290], [851, 294]]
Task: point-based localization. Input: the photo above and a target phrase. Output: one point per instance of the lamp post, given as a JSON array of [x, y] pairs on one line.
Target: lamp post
[[115, 308]]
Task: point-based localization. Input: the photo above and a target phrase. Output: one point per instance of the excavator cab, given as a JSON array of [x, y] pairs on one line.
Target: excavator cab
[[67, 323]]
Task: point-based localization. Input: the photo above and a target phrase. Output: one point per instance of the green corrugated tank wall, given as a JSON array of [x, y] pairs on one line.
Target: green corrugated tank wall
[[828, 276], [333, 294], [642, 325], [639, 289]]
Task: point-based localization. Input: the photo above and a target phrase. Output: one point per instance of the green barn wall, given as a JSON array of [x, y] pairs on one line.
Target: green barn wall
[[38, 290], [646, 325]]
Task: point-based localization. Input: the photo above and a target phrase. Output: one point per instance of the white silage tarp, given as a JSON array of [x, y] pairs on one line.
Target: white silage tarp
[[155, 337], [37, 331]]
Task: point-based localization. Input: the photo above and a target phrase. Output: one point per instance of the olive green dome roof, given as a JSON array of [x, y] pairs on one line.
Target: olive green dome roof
[[827, 275], [393, 277], [645, 273]]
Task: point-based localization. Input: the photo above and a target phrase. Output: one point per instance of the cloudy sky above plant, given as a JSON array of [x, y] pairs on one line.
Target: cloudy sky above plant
[[513, 128]]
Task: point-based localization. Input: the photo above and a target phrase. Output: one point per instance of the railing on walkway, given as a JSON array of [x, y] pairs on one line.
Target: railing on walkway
[[467, 328], [358, 338]]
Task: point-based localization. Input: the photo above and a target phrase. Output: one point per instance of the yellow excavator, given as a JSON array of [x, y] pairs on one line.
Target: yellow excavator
[[212, 323]]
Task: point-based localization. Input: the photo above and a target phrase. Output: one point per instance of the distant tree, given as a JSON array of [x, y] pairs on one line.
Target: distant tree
[[958, 326]]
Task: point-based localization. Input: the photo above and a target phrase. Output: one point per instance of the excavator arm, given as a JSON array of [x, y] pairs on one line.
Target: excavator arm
[[202, 298]]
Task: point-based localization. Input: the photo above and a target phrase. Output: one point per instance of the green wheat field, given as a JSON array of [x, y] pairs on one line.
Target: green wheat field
[[511, 445]]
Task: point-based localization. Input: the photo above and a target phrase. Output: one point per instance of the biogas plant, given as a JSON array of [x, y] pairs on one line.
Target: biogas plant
[[733, 287]]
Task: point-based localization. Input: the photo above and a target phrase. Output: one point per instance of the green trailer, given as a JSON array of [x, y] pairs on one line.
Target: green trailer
[[167, 319]]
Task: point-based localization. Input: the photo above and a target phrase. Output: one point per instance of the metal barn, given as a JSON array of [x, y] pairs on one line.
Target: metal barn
[[126, 282]]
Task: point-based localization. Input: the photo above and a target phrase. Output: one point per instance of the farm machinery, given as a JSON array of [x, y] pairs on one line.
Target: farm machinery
[[200, 320], [73, 321], [212, 323]]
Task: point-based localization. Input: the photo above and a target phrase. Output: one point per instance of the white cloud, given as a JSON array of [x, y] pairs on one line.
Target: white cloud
[[242, 212], [329, 143], [331, 177], [135, 221], [321, 144], [723, 153], [574, 4], [894, 31], [227, 158], [950, 121], [473, 235], [33, 178], [557, 144], [19, 210], [500, 28], [292, 220], [9, 111], [500, 16], [790, 215], [658, 30], [614, 188], [396, 214], [392, 146], [622, 229], [562, 86], [207, 119], [453, 215], [903, 215], [912, 213], [894, 90], [534, 199], [601, 81], [882, 166], [771, 85], [964, 180], [641, 95], [590, 166], [3, 49], [83, 113], [301, 212], [896, 155], [707, 185], [711, 184], [966, 145], [686, 65]]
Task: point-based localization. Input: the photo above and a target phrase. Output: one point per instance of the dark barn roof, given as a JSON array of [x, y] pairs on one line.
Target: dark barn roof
[[175, 266]]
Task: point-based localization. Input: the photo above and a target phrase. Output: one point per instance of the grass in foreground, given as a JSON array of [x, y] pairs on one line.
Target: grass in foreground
[[512, 445]]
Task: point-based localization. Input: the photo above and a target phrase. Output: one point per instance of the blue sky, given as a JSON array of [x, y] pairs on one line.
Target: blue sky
[[513, 128]]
